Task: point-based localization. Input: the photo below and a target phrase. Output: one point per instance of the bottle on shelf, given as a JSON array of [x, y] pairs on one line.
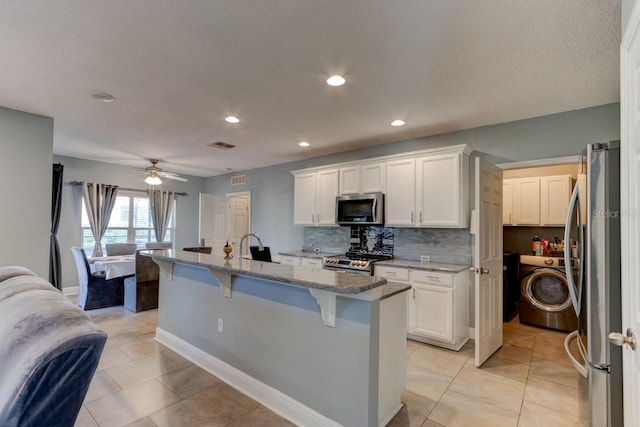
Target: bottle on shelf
[[535, 245]]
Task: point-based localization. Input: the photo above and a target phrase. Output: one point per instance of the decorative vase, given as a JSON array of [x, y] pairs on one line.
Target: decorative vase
[[227, 251]]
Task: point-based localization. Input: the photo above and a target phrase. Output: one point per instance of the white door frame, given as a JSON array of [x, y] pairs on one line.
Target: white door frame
[[630, 214]]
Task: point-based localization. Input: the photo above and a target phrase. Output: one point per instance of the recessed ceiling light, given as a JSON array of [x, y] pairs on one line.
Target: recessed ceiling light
[[232, 119], [303, 144], [336, 80], [103, 96], [397, 123]]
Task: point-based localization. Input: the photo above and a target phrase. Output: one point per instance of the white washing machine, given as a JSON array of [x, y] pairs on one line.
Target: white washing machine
[[544, 293]]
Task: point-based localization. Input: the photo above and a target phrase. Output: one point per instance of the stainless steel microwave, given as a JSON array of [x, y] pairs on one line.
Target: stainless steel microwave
[[360, 209]]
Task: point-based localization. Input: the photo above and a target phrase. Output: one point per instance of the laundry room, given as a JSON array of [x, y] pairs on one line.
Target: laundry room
[[535, 205]]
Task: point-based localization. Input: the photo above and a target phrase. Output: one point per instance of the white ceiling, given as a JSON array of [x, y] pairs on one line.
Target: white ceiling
[[177, 69]]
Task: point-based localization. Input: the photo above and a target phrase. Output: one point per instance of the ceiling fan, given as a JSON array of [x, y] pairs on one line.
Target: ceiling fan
[[154, 173]]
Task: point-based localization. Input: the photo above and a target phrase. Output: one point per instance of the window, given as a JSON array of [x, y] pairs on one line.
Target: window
[[130, 222]]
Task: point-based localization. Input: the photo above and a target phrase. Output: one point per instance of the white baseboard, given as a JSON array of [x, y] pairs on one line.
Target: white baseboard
[[70, 290], [266, 395]]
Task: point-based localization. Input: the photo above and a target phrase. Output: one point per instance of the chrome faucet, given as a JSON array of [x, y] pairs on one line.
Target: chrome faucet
[[260, 247]]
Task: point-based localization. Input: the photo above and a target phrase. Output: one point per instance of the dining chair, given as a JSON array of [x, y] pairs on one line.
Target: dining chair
[[113, 249], [94, 290], [141, 290]]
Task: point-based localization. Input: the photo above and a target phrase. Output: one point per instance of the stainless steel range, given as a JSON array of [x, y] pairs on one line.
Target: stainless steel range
[[359, 262]]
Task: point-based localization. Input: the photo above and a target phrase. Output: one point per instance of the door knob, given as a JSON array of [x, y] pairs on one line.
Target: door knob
[[479, 270], [616, 338]]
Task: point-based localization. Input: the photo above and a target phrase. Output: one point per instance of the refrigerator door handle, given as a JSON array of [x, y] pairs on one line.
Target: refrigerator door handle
[[575, 289], [581, 368]]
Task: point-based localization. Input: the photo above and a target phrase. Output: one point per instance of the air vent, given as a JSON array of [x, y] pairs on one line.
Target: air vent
[[238, 179], [221, 145]]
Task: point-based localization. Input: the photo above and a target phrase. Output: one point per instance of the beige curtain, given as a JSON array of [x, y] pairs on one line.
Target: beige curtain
[[99, 200], [161, 205]]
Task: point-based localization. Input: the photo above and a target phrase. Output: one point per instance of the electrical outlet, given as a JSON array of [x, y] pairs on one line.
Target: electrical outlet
[[425, 258], [220, 324]]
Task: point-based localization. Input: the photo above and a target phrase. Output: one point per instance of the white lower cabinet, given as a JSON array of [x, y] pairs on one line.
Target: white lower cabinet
[[311, 262], [438, 305], [289, 260], [301, 261]]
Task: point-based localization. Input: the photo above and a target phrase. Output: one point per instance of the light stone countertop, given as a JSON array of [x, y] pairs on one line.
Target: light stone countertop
[[339, 282], [307, 254], [393, 288], [426, 266]]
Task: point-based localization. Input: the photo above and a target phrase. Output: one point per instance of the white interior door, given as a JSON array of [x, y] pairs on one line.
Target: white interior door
[[488, 260], [630, 203], [239, 220], [212, 230]]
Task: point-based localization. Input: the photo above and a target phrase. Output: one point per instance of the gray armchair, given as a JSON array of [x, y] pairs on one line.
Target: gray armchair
[[49, 354], [113, 249], [141, 290]]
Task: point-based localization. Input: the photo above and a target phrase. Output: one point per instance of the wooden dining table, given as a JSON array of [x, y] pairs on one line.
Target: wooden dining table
[[114, 266]]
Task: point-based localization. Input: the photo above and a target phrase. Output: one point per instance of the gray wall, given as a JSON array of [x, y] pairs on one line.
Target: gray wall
[[26, 150], [70, 235], [556, 135]]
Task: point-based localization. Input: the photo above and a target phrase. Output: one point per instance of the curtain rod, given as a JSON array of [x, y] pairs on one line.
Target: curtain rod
[[79, 183]]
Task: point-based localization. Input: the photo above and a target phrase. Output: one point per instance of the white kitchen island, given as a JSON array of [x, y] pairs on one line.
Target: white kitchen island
[[319, 347]]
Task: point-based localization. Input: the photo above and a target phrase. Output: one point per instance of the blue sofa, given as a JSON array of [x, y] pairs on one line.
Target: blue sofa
[[50, 351]]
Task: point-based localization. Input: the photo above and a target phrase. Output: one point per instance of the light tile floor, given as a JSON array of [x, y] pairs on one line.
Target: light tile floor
[[528, 382]]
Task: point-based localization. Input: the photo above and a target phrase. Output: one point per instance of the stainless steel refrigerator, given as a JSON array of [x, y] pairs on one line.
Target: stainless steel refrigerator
[[594, 220]]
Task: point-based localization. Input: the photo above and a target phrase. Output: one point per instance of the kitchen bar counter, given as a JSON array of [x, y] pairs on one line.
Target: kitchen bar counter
[[426, 266], [334, 281], [319, 347]]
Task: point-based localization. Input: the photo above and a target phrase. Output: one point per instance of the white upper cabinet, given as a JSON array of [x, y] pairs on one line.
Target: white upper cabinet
[[363, 178], [314, 200], [304, 198], [526, 201], [349, 180], [372, 177], [400, 197], [507, 204], [441, 184], [538, 201], [428, 191], [555, 194], [326, 193]]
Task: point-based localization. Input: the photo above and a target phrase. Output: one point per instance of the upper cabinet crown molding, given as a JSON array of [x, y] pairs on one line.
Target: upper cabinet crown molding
[[459, 148]]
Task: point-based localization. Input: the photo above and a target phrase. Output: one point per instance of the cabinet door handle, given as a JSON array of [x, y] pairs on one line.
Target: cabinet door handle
[[434, 278], [411, 216], [420, 217], [414, 293]]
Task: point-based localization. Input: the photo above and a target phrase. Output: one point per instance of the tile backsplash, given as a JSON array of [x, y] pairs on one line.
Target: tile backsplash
[[445, 245]]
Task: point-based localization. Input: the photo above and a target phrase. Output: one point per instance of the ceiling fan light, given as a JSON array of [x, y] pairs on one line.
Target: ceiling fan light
[[153, 180]]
